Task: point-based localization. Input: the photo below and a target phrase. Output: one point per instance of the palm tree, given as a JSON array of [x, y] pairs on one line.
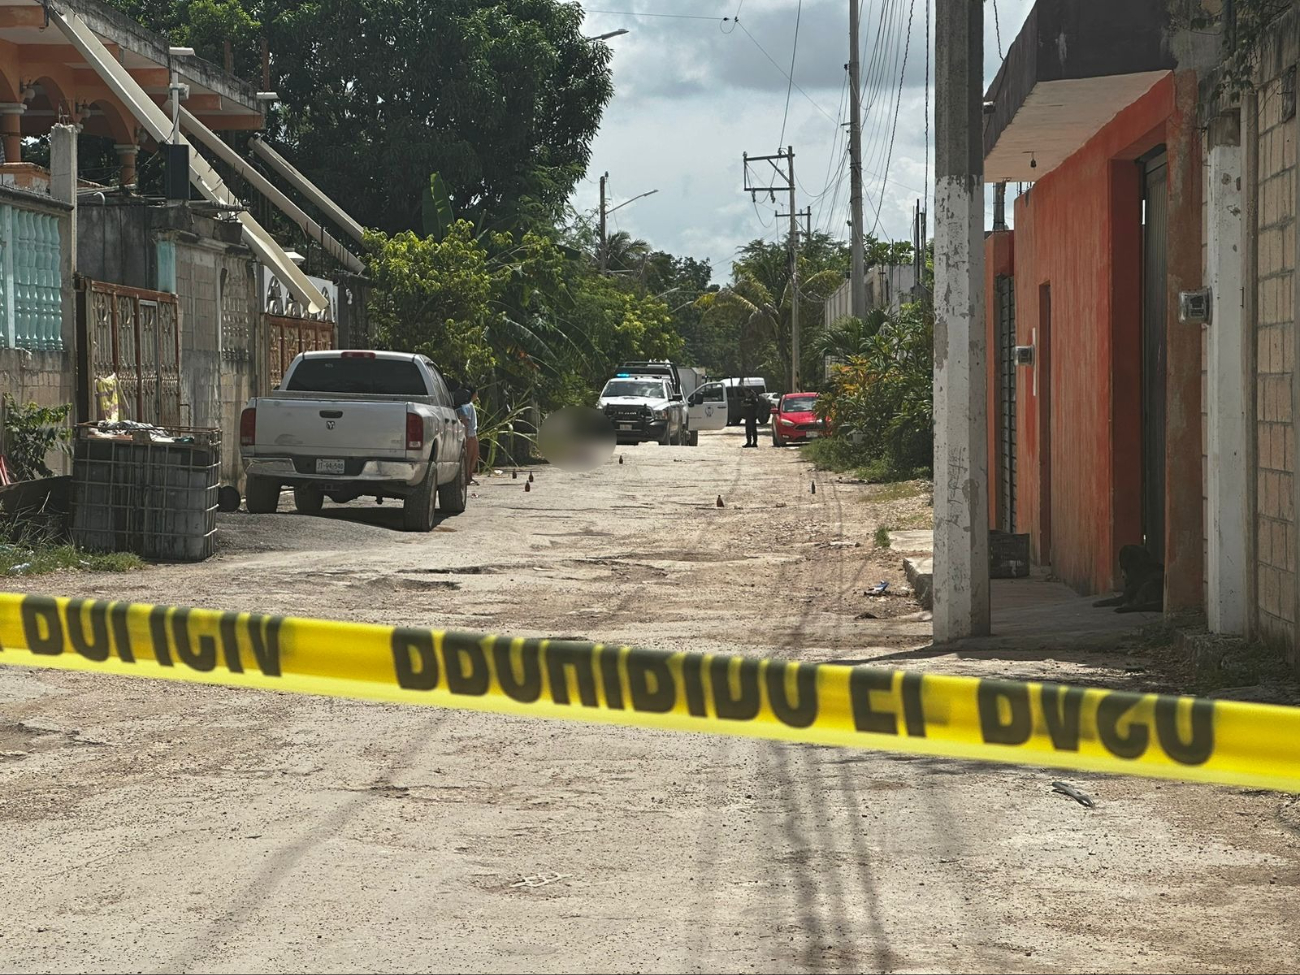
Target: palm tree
[[623, 252], [850, 337]]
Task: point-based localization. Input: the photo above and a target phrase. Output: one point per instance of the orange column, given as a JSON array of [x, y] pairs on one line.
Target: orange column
[[11, 130]]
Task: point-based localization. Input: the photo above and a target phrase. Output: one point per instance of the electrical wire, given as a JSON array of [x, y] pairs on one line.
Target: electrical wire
[[778, 67], [925, 191], [997, 29], [642, 13], [898, 104], [794, 50]]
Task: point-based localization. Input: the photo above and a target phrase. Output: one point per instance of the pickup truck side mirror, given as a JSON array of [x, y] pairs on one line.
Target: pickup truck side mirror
[[696, 399]]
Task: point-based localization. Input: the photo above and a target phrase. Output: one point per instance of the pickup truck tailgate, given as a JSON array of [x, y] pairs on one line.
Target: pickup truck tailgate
[[337, 428]]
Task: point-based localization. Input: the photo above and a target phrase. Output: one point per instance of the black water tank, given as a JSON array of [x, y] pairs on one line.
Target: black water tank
[[177, 177]]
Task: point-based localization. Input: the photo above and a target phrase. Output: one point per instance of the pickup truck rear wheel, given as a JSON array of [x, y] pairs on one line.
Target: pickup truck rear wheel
[[261, 496], [693, 438], [417, 509], [308, 500], [453, 497]]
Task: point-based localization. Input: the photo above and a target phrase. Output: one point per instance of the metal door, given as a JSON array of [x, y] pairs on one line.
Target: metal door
[[1005, 296], [1155, 207]]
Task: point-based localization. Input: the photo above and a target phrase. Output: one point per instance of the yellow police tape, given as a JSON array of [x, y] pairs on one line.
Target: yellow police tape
[[859, 707]]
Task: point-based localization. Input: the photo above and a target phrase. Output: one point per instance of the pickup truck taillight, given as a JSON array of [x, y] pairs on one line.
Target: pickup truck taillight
[[414, 431], [248, 427]]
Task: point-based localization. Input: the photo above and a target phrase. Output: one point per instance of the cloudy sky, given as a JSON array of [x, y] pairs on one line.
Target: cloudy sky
[[693, 92]]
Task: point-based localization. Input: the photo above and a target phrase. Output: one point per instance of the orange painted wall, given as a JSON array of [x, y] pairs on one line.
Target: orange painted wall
[[1078, 231]]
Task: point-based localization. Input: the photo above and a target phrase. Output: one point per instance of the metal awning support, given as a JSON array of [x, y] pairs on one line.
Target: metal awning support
[[202, 176], [308, 189], [268, 189]]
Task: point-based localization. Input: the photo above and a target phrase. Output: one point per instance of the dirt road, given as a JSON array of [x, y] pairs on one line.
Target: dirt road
[[163, 828]]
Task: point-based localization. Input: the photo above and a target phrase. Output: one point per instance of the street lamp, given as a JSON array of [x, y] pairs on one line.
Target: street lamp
[[604, 37], [606, 211], [633, 200]]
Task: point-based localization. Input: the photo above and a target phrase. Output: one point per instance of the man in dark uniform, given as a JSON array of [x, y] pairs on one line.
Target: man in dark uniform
[[749, 413]]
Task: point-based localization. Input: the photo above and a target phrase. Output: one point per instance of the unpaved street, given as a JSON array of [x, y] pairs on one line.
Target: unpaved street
[[161, 828]]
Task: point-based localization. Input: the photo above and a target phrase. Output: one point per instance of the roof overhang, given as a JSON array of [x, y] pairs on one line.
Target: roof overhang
[[66, 86], [1075, 65]]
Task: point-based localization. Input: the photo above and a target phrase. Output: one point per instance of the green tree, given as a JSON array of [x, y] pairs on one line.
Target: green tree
[[435, 297], [501, 99], [849, 336]]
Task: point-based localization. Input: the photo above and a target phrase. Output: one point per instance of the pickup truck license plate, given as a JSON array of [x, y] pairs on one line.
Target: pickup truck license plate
[[626, 426], [328, 466]]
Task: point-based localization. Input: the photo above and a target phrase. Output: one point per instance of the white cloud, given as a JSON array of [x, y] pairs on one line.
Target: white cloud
[[691, 95]]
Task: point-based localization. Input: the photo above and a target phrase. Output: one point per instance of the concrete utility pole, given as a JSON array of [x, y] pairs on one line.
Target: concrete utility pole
[[794, 280], [603, 249], [961, 507], [784, 184], [858, 288], [1000, 206]]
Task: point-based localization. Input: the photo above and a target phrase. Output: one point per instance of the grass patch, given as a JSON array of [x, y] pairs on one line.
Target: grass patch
[[836, 454], [35, 543], [896, 491], [19, 560], [882, 537]]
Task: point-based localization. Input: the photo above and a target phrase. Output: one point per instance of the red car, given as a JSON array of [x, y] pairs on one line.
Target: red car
[[793, 420]]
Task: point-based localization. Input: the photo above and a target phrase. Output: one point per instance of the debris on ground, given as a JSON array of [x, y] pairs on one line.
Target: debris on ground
[[1082, 798]]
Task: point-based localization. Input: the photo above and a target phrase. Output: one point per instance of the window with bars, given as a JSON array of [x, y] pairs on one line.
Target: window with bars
[[31, 283]]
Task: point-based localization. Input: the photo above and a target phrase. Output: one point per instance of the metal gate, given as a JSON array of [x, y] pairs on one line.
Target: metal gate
[[133, 334], [1005, 296], [287, 337], [1155, 204]]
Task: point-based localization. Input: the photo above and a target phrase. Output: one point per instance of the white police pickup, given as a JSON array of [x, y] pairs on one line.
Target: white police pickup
[[644, 408]]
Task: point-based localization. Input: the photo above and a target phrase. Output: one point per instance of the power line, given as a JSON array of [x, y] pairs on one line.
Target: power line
[[785, 75], [997, 28], [898, 104], [641, 13], [925, 183], [794, 50]]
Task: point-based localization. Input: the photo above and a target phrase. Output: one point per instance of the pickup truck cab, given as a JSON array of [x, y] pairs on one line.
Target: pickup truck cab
[[346, 425], [644, 408]]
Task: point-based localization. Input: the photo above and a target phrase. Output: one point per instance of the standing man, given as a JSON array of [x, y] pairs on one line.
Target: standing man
[[749, 413], [469, 417]]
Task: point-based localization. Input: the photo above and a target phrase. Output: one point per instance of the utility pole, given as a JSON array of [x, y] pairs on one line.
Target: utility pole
[[794, 280], [603, 249], [858, 288], [1000, 206], [961, 507], [783, 182]]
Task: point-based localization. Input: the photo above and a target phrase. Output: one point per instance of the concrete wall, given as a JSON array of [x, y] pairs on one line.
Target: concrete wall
[[1276, 390], [219, 303]]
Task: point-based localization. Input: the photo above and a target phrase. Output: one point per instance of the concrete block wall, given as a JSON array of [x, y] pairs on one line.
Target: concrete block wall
[[1276, 385]]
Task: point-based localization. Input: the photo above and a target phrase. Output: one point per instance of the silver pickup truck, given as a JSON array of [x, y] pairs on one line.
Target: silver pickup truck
[[347, 425]]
